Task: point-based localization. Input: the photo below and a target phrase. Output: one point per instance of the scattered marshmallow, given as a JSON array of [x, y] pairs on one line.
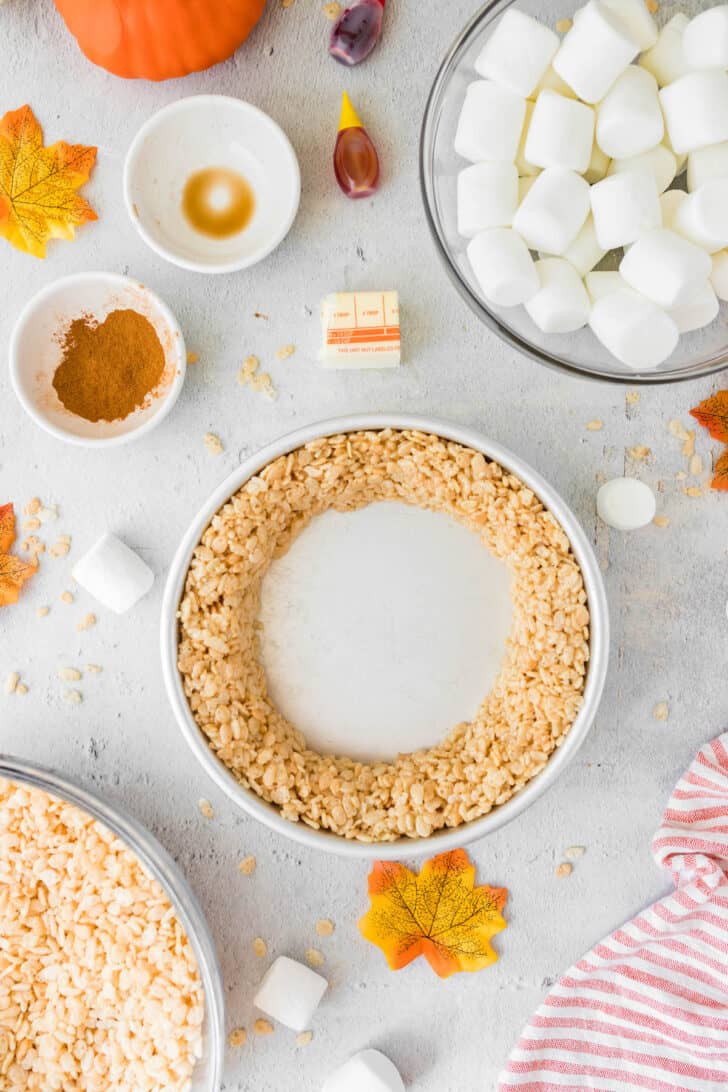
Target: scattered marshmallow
[[290, 993], [626, 504], [638, 20], [524, 168], [553, 211], [561, 133], [602, 282], [696, 110], [666, 59], [487, 197], [503, 267], [624, 206], [703, 216], [595, 52], [633, 328], [490, 123], [598, 165], [705, 164], [518, 52], [670, 202], [561, 304], [660, 161], [665, 267], [113, 574], [585, 252], [367, 1071], [705, 39], [719, 275], [629, 118], [698, 311]]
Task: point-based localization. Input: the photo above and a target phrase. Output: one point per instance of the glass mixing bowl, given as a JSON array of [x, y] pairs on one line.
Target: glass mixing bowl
[[207, 1076], [699, 353]]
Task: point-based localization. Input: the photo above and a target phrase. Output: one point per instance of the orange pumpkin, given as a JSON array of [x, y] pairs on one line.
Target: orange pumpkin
[[159, 39]]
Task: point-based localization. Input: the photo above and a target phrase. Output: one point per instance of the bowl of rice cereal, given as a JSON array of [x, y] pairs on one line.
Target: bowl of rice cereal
[[109, 980], [507, 581]]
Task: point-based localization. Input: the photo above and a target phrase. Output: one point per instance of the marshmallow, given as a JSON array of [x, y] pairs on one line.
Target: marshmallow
[[518, 52], [602, 283], [524, 168], [596, 50], [666, 60], [490, 123], [660, 161], [705, 40], [598, 165], [626, 504], [561, 133], [640, 24], [551, 81], [487, 197], [696, 110], [290, 993], [705, 164], [585, 251], [553, 211], [503, 267], [624, 205], [113, 574], [703, 216], [698, 311], [665, 267], [629, 118], [561, 304], [719, 275], [670, 202], [634, 329], [367, 1071]]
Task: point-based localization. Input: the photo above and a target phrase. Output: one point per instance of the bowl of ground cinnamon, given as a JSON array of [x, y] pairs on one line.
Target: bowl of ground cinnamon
[[97, 359]]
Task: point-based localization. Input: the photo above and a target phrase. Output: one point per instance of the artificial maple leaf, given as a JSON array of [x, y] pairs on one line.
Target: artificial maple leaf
[[439, 914], [713, 415], [38, 198], [13, 570], [720, 473]]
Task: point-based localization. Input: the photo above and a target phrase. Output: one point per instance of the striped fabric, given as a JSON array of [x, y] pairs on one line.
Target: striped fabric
[[648, 1007]]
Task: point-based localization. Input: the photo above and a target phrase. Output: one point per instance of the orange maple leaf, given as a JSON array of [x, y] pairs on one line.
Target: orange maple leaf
[[713, 415], [439, 914], [720, 473], [38, 198], [13, 570]]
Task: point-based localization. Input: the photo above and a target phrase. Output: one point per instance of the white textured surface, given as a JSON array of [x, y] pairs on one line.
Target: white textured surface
[[666, 587]]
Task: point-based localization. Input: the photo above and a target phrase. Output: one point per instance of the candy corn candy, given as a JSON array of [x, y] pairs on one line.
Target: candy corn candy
[[356, 163]]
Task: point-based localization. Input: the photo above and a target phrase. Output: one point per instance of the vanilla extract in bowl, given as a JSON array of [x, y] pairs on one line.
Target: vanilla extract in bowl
[[218, 202]]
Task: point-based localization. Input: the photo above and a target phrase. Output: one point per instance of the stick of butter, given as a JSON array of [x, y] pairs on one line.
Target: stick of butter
[[360, 330]]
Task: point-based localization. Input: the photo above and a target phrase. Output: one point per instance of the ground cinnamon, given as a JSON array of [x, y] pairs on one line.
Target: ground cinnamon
[[108, 369]]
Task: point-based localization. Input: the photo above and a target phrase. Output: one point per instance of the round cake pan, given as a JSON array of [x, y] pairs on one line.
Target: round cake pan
[[447, 838]]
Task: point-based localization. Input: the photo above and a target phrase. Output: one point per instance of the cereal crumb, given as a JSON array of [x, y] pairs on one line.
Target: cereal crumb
[[32, 506], [564, 869], [61, 547], [696, 466], [73, 697], [324, 927], [263, 1027], [21, 689], [33, 545], [193, 358], [31, 524], [66, 597], [574, 852], [332, 11], [69, 674], [264, 383], [661, 711], [206, 808], [680, 476], [661, 521], [47, 513], [693, 491], [688, 448], [43, 611], [94, 669], [248, 370], [304, 1038], [248, 865], [287, 3], [652, 6], [237, 1037], [285, 352], [564, 25], [213, 444], [632, 398], [86, 622], [11, 683], [314, 957], [640, 453], [594, 426], [260, 947]]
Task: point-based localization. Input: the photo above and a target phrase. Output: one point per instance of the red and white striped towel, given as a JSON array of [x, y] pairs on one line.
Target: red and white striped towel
[[648, 1007]]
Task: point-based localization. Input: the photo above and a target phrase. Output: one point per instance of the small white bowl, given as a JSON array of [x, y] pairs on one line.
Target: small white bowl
[[35, 353], [211, 131]]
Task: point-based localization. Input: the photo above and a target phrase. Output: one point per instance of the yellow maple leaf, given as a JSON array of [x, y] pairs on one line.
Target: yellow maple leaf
[[38, 198], [13, 570], [439, 914]]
